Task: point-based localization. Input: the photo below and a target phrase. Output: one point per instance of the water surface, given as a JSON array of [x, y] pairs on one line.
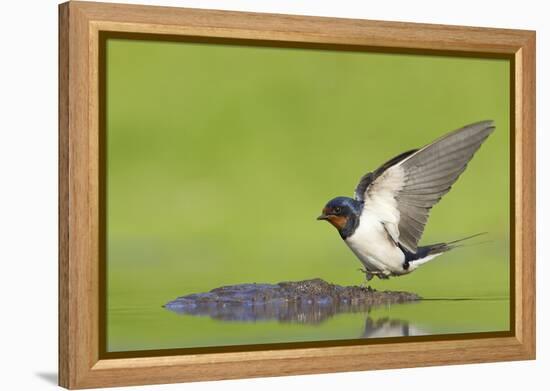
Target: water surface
[[155, 327]]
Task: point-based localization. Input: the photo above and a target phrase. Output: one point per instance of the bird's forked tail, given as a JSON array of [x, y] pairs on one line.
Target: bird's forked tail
[[425, 254]]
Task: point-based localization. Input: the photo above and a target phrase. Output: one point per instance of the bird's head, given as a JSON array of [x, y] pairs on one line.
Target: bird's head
[[343, 213]]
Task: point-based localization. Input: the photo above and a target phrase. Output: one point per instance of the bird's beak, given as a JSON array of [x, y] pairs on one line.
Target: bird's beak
[[322, 217]]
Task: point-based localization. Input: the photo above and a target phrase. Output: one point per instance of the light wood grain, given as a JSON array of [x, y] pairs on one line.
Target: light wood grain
[[80, 365], [526, 195], [64, 353]]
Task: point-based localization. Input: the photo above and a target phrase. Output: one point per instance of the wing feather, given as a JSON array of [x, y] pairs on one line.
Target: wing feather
[[403, 190]]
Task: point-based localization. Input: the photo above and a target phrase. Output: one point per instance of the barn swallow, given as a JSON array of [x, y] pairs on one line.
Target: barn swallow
[[384, 221]]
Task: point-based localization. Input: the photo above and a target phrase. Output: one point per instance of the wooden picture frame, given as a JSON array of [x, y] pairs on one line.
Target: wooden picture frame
[[81, 24]]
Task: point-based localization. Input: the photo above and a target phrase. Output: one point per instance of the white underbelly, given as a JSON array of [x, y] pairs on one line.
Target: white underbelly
[[375, 249]]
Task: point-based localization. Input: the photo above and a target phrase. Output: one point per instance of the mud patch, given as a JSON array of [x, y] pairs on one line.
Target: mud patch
[[308, 301]]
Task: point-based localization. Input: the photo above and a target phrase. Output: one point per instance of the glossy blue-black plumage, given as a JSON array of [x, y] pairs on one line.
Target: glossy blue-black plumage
[[346, 204], [348, 207]]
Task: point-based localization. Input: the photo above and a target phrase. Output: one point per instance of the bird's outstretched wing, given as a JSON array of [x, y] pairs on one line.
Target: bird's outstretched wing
[[403, 190]]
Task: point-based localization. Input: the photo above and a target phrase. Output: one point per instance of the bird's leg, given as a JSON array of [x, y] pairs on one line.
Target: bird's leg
[[382, 276], [368, 276]]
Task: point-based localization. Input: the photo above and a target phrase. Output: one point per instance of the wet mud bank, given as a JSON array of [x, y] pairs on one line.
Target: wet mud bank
[[308, 301]]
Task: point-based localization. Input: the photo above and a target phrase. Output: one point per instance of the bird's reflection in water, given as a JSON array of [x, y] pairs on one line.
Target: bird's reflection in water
[[304, 311], [386, 327]]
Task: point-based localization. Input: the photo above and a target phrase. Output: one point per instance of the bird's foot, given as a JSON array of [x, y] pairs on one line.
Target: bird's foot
[[368, 275], [365, 286]]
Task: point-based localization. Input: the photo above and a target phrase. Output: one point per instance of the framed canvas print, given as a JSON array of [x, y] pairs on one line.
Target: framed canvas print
[[248, 195]]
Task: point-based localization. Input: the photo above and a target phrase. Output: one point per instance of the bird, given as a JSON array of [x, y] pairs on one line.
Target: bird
[[384, 221]]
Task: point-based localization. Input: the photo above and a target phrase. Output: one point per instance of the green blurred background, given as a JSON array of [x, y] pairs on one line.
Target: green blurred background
[[220, 157]]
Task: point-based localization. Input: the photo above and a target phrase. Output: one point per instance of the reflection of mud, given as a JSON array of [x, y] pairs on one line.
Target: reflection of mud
[[386, 327], [306, 311], [307, 302]]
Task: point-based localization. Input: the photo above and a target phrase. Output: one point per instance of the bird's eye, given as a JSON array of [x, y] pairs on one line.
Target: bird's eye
[[337, 210]]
